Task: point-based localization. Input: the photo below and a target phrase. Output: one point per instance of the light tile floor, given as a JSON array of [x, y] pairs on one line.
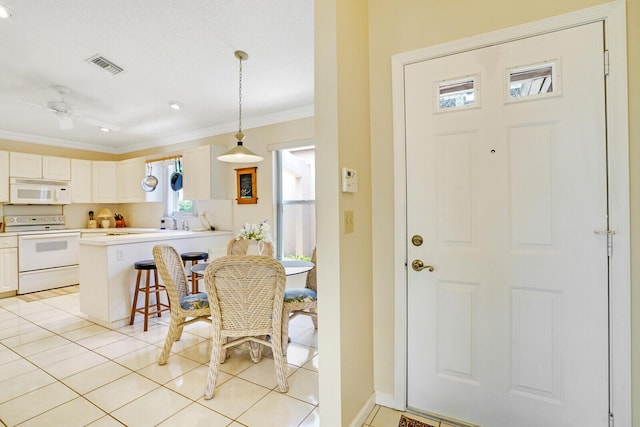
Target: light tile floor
[[58, 369]]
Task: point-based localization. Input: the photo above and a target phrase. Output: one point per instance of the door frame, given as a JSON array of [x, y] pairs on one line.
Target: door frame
[[614, 17]]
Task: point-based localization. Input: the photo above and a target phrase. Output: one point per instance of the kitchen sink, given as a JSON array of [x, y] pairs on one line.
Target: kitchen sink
[[122, 233]]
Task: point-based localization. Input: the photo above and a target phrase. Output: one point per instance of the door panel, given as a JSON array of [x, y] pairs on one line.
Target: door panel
[[511, 328]]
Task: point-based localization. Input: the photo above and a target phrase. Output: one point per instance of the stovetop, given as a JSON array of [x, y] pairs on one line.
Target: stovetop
[[34, 222]]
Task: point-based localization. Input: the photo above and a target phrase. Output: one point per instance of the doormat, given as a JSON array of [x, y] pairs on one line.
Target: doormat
[[51, 293], [408, 422]]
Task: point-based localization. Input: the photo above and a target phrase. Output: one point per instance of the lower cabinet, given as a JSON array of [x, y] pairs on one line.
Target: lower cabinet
[[8, 270]]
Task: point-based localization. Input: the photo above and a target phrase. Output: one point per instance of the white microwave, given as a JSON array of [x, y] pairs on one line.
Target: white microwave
[[27, 191]]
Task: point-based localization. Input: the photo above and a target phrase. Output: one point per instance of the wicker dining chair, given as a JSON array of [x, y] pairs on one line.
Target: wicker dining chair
[[185, 308], [241, 246], [246, 295], [301, 301]]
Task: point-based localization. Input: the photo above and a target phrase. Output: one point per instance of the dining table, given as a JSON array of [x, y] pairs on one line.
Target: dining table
[[291, 266]]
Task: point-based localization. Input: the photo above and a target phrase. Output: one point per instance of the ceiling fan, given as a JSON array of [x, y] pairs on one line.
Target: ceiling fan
[[66, 113]]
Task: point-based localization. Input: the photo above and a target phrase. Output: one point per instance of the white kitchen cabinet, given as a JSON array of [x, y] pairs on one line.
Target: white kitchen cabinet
[[56, 168], [204, 176], [104, 181], [4, 176], [130, 173], [8, 264], [23, 165], [81, 181]]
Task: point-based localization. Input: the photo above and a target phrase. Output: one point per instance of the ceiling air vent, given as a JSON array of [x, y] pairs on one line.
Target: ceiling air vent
[[105, 64]]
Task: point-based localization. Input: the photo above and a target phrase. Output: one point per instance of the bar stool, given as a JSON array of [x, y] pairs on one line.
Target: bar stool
[[148, 265], [194, 257]]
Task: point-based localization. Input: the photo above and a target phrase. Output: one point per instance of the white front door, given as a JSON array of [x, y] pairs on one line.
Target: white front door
[[506, 184]]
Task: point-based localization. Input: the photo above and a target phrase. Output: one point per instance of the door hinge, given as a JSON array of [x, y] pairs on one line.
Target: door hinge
[[606, 63], [610, 234]]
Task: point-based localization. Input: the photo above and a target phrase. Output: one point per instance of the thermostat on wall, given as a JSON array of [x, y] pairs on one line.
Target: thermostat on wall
[[349, 180]]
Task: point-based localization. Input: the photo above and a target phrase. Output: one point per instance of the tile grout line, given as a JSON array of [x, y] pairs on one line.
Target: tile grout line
[[16, 313]]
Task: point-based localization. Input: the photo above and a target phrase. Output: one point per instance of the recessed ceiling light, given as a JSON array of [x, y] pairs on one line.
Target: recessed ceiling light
[[5, 12], [103, 129], [175, 105]]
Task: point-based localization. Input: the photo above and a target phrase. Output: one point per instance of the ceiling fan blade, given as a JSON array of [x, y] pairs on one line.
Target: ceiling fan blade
[[98, 123], [32, 104], [39, 107]]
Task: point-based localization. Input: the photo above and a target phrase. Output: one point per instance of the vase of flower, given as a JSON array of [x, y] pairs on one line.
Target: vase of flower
[[255, 247], [256, 235]]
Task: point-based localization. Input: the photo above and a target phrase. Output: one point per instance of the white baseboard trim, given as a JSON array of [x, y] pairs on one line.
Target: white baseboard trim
[[388, 400], [364, 412]]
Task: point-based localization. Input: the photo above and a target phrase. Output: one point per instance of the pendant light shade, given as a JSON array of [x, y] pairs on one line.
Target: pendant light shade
[[240, 154]]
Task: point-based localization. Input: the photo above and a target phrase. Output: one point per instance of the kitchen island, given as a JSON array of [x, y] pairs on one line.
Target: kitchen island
[[107, 276]]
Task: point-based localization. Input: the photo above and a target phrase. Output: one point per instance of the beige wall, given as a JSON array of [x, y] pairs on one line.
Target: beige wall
[[403, 25], [344, 278], [49, 150]]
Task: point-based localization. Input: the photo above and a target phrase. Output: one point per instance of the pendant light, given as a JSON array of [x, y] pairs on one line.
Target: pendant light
[[240, 154]]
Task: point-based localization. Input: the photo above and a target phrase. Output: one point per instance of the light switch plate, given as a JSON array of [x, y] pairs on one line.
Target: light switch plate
[[348, 221], [349, 180]]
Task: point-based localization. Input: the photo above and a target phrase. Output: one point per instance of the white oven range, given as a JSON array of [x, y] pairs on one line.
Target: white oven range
[[47, 253]]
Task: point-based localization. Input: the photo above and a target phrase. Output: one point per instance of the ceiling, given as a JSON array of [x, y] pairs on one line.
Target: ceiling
[[180, 50]]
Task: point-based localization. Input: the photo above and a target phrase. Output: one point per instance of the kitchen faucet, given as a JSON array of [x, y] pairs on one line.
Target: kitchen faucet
[[170, 226]]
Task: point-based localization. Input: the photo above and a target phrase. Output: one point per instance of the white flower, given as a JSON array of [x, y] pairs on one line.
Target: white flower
[[258, 232]]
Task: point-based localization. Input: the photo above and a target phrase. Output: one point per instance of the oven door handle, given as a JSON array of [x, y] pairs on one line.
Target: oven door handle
[[49, 236]]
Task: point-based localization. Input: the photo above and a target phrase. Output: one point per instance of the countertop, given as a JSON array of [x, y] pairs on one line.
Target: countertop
[[117, 236], [97, 231]]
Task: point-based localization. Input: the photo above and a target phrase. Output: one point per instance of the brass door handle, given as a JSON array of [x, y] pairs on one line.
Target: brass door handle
[[418, 265]]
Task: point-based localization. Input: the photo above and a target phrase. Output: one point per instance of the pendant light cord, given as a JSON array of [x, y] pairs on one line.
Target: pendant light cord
[[240, 100]]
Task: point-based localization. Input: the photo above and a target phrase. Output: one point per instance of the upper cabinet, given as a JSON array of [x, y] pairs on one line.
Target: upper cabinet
[[24, 165], [57, 168], [4, 176], [104, 182], [81, 181], [130, 174], [110, 182], [204, 176]]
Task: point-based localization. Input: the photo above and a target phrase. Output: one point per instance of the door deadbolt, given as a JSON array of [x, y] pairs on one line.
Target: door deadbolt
[[416, 240], [418, 265]]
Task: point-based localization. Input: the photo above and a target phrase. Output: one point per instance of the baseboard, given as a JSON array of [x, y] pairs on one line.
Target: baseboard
[[8, 294], [388, 400], [364, 412]]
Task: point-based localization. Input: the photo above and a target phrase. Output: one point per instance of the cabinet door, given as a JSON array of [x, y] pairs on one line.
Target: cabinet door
[[8, 269], [4, 176], [23, 165], [104, 182], [204, 176], [130, 173], [218, 174], [195, 176], [57, 168], [81, 181]]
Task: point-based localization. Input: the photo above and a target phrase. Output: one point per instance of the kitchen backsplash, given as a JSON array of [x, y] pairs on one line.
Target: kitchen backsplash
[[139, 215]]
